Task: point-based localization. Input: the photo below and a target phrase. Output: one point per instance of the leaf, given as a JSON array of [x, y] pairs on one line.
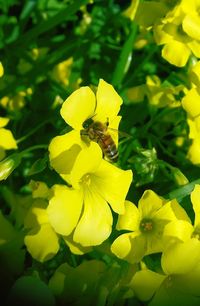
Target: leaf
[[38, 166]]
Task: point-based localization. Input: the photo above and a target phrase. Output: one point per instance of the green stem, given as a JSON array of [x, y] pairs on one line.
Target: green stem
[[36, 147], [102, 296], [139, 67], [32, 131], [124, 57], [183, 191]]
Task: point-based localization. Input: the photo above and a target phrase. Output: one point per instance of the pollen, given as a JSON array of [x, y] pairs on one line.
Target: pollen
[[86, 179], [196, 235], [146, 225]]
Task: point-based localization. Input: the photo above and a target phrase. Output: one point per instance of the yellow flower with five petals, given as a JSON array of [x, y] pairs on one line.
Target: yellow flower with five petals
[[80, 106], [145, 225], [84, 210]]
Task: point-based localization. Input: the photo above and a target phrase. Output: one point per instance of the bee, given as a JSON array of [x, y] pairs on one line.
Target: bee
[[98, 132]]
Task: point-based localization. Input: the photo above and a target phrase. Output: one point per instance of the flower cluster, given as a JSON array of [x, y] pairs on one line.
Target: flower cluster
[[191, 104], [71, 231], [81, 210], [175, 25], [177, 284]]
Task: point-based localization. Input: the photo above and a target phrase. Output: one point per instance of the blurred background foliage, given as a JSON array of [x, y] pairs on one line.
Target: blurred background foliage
[[48, 49]]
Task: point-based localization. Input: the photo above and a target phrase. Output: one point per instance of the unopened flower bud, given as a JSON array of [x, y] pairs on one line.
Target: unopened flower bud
[[8, 164], [179, 177]]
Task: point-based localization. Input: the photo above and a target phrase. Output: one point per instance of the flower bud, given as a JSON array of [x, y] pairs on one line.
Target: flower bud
[[179, 177], [8, 164]]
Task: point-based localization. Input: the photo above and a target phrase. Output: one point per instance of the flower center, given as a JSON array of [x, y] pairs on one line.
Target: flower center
[[86, 179], [146, 225], [196, 233], [169, 281]]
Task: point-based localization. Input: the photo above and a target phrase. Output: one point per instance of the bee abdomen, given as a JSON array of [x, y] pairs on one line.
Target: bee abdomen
[[110, 149]]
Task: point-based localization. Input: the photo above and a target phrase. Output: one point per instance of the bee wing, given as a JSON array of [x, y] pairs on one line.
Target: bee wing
[[120, 133]]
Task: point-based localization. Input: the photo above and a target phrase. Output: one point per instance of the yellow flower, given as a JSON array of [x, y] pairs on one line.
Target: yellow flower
[[146, 224], [41, 240], [61, 71], [17, 101], [132, 9], [179, 284], [179, 32], [158, 94], [80, 106], [183, 230], [180, 261], [191, 104], [7, 141], [8, 165], [84, 210], [80, 285], [145, 19]]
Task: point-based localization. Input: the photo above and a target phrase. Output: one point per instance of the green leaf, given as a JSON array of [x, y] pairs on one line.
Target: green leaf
[[38, 166], [182, 192], [124, 57], [50, 23]]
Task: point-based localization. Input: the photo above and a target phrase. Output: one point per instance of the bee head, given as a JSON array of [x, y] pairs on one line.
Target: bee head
[[87, 123]]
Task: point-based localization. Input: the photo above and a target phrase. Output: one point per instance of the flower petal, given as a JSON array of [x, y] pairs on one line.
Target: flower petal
[[191, 102], [112, 183], [42, 243], [149, 203], [145, 283], [195, 198], [191, 25], [157, 9], [161, 37], [131, 247], [87, 161], [177, 229], [64, 209], [194, 45], [64, 150], [130, 219], [194, 152], [7, 140], [78, 107], [37, 214], [76, 248], [113, 129], [176, 53], [181, 258], [195, 73], [190, 282], [3, 121], [171, 211], [1, 70], [39, 189], [108, 102], [95, 224]]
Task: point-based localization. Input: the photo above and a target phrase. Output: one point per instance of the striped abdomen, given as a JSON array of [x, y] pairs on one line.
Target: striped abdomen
[[108, 147]]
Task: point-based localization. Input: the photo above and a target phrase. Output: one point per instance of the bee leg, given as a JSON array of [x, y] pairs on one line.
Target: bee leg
[[83, 132]]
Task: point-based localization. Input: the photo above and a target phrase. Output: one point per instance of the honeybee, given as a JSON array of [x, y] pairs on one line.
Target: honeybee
[[98, 132]]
